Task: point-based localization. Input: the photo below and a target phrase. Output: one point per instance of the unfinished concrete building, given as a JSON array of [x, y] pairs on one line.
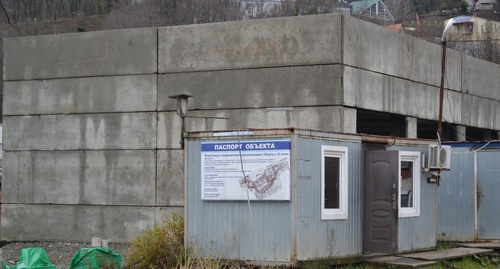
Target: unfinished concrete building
[[93, 143]]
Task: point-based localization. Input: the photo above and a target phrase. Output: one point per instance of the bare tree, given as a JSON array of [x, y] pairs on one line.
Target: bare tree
[[402, 10]]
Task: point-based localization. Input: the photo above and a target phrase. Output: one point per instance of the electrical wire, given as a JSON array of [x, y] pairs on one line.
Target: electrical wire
[[248, 200]]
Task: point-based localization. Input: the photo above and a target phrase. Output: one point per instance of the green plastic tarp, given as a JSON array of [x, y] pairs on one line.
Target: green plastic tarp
[[31, 258], [94, 258]]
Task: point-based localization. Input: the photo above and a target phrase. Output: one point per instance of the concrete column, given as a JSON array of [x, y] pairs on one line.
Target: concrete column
[[349, 120], [411, 127], [460, 133]]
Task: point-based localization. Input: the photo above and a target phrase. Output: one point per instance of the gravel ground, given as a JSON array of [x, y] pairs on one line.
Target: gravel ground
[[60, 253]]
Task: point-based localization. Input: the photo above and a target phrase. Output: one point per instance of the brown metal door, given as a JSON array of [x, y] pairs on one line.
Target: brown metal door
[[380, 233]]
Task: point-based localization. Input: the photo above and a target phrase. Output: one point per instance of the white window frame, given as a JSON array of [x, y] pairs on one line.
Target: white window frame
[[341, 212], [414, 211]]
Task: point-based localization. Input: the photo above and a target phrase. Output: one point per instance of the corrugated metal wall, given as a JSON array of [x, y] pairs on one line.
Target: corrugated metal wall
[[456, 198], [488, 187], [417, 233], [318, 238], [227, 229]]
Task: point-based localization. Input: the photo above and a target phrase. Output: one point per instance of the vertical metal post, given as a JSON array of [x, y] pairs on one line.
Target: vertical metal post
[[441, 89]]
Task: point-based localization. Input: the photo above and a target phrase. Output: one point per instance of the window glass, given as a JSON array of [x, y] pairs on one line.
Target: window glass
[[409, 184], [332, 184], [406, 191], [334, 181]]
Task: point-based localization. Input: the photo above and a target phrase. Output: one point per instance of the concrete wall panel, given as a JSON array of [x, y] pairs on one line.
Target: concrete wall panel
[[481, 78], [254, 88], [249, 44], [118, 52], [370, 46], [163, 213], [80, 177], [383, 93], [328, 118], [170, 179], [480, 112], [170, 130], [81, 223], [84, 131], [427, 65], [81, 95], [374, 91]]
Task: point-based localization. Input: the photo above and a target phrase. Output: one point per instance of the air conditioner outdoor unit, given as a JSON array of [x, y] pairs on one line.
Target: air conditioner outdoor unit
[[439, 157]]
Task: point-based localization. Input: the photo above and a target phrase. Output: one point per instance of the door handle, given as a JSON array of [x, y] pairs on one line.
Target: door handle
[[393, 201]]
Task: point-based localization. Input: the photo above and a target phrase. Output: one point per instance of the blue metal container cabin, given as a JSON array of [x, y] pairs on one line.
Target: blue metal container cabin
[[286, 232], [468, 195]]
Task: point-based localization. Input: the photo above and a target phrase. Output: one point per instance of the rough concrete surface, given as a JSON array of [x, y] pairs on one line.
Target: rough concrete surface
[[117, 52], [74, 222], [80, 95], [305, 40], [254, 88], [170, 178], [480, 78], [121, 177], [80, 131]]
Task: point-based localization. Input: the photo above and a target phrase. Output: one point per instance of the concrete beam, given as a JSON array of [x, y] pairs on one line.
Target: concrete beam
[[366, 46], [306, 40], [117, 177], [170, 178], [118, 52], [327, 118], [116, 223], [254, 88], [81, 95], [480, 112], [83, 131], [426, 65], [480, 78], [374, 91]]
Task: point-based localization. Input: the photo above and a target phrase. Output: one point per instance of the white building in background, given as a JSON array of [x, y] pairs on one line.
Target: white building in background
[[485, 4]]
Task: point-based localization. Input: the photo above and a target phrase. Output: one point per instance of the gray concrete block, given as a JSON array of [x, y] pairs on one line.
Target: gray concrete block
[[80, 95], [163, 213], [117, 177], [118, 52], [480, 112], [169, 130], [254, 88], [74, 222], [349, 116], [374, 91], [481, 78], [82, 131], [376, 48], [426, 61], [327, 118], [285, 41], [170, 178]]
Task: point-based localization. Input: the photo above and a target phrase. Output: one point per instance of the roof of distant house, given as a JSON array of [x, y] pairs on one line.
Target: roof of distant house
[[396, 27]]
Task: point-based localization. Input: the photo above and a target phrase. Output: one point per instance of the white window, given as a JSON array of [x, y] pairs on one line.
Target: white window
[[333, 183], [409, 184]]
